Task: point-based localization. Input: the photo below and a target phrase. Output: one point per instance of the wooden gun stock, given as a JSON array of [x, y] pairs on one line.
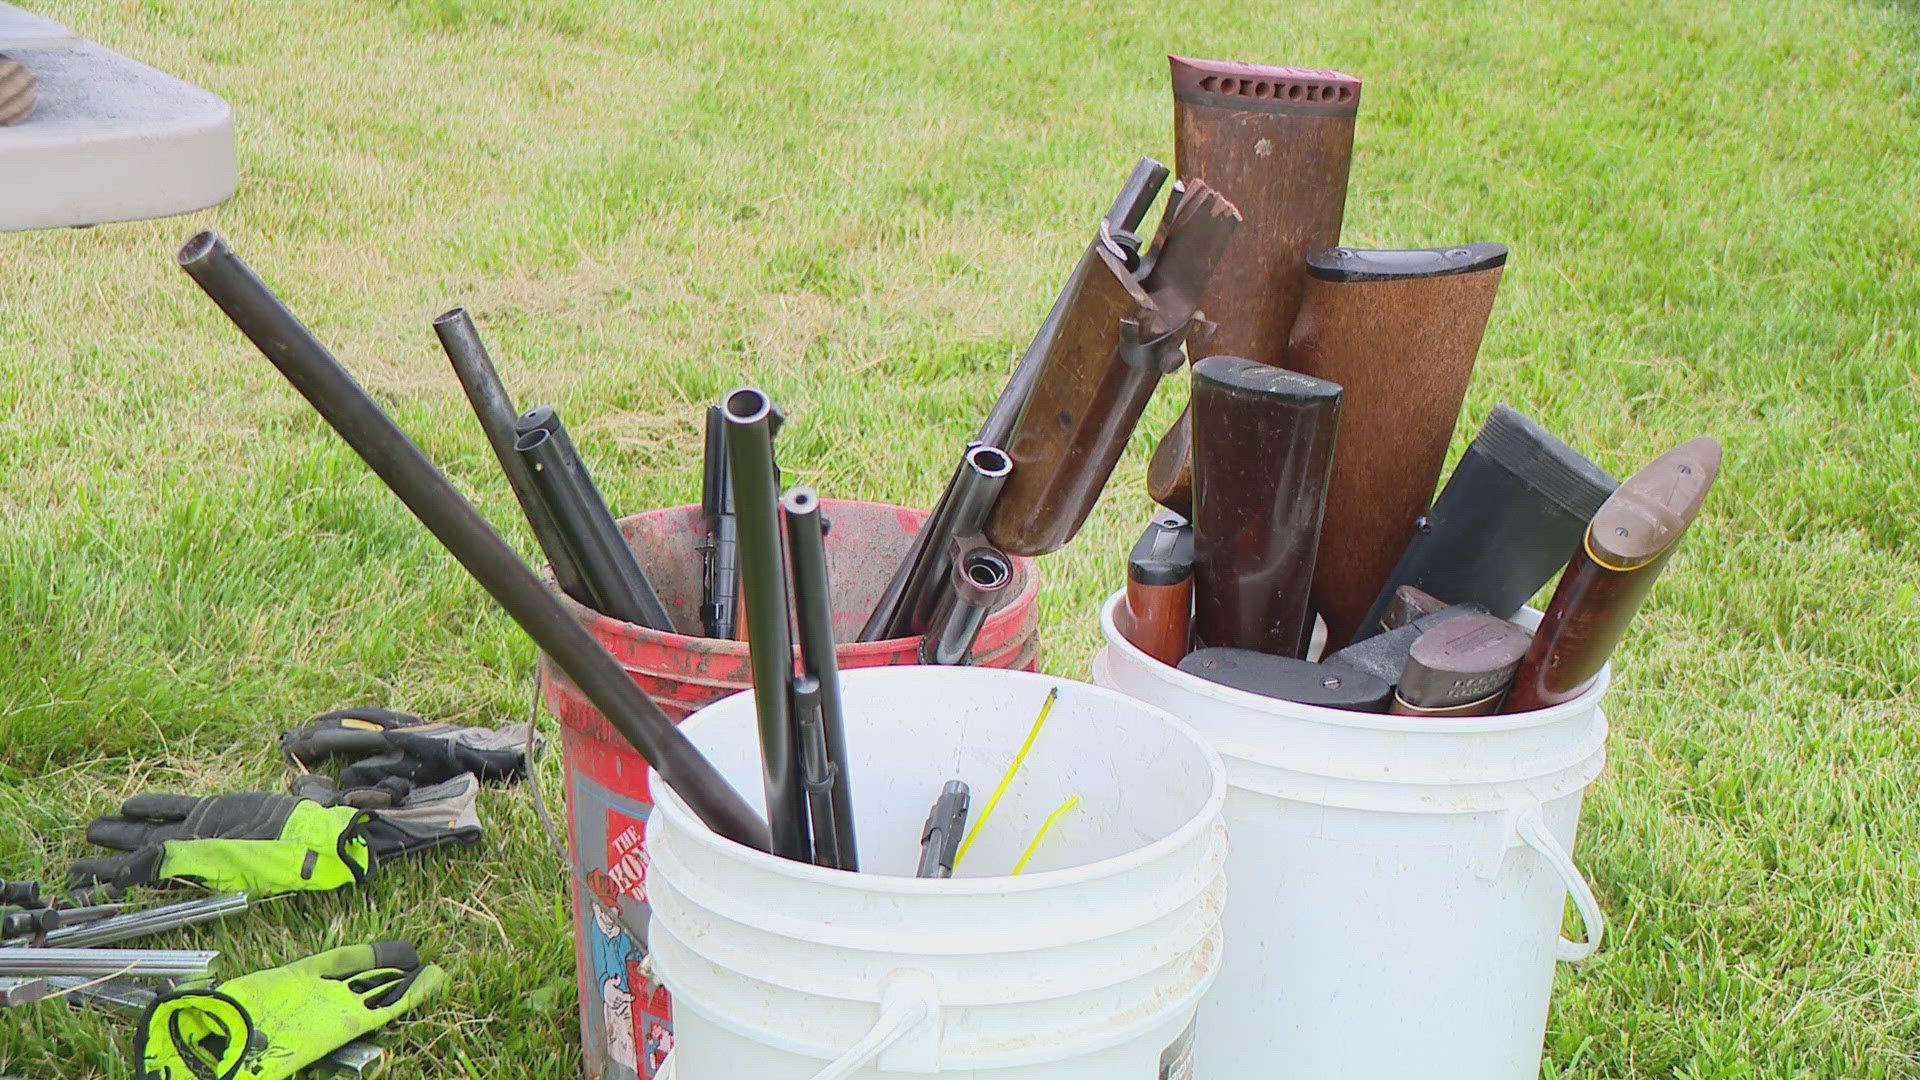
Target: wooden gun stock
[[1637, 530], [1399, 331], [1278, 143], [1117, 338], [1263, 444], [1159, 612]]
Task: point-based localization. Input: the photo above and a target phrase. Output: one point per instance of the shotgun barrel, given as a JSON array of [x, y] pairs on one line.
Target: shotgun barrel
[[813, 618], [348, 409], [619, 587], [981, 573], [493, 406], [1399, 331], [924, 569], [1263, 442], [1277, 142], [1120, 334], [720, 552], [983, 475], [1629, 542], [1516, 505], [763, 575]]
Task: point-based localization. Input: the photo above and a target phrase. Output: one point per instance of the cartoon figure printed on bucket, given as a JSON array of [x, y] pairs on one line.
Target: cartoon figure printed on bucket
[[635, 1017]]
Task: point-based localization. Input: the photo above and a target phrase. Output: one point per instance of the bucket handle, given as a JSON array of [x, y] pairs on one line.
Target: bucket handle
[[1531, 826], [909, 1001]]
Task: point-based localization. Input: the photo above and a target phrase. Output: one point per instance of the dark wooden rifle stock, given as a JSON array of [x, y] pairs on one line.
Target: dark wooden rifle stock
[[1399, 331], [1263, 442], [1637, 530], [1278, 143], [1117, 337], [1159, 614]]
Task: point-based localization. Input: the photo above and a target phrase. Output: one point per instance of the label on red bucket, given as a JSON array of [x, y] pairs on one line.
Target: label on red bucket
[[626, 1024], [1177, 1062]]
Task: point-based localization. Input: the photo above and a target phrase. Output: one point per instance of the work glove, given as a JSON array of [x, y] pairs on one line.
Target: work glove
[[404, 818], [271, 1024], [393, 745], [258, 842]]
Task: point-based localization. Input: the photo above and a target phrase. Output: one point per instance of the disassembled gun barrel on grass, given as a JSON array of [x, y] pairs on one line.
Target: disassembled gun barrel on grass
[[620, 587], [1263, 442], [1277, 142], [1631, 538], [1399, 331], [359, 420], [493, 406], [1516, 504]]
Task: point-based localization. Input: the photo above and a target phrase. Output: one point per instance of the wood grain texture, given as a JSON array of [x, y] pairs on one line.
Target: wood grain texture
[[1263, 445], [1278, 143], [1117, 338], [1403, 350], [1160, 619], [16, 92]]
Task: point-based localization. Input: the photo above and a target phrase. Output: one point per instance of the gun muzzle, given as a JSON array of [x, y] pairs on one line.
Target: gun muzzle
[[1636, 531], [619, 587], [981, 574], [813, 619], [493, 406], [1517, 503], [1461, 667], [1277, 142], [1289, 679], [1160, 588], [1399, 331], [1263, 445], [763, 574], [20, 894], [359, 420]]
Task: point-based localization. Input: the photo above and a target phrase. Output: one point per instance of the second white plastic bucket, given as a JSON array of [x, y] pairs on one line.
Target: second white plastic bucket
[[1087, 966], [1396, 884]]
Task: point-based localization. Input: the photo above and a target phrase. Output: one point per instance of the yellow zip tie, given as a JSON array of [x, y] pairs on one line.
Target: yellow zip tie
[[1007, 780], [1042, 834]]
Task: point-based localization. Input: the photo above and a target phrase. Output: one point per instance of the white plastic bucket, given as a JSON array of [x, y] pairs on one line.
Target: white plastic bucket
[[1396, 884], [1087, 966]]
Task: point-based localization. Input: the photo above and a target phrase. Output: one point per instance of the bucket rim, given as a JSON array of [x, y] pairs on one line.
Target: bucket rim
[[1194, 831], [1572, 708], [604, 625]]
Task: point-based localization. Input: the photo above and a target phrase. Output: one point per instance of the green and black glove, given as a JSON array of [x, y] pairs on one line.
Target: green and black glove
[[271, 1024], [259, 842], [388, 745]]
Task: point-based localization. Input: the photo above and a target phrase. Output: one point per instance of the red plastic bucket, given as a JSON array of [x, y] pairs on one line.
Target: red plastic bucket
[[626, 1025]]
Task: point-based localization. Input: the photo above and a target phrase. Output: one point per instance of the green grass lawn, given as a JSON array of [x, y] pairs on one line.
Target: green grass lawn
[[866, 209]]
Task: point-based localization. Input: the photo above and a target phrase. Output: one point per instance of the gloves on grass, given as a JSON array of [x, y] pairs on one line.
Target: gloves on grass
[[271, 1024], [385, 745], [257, 841]]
